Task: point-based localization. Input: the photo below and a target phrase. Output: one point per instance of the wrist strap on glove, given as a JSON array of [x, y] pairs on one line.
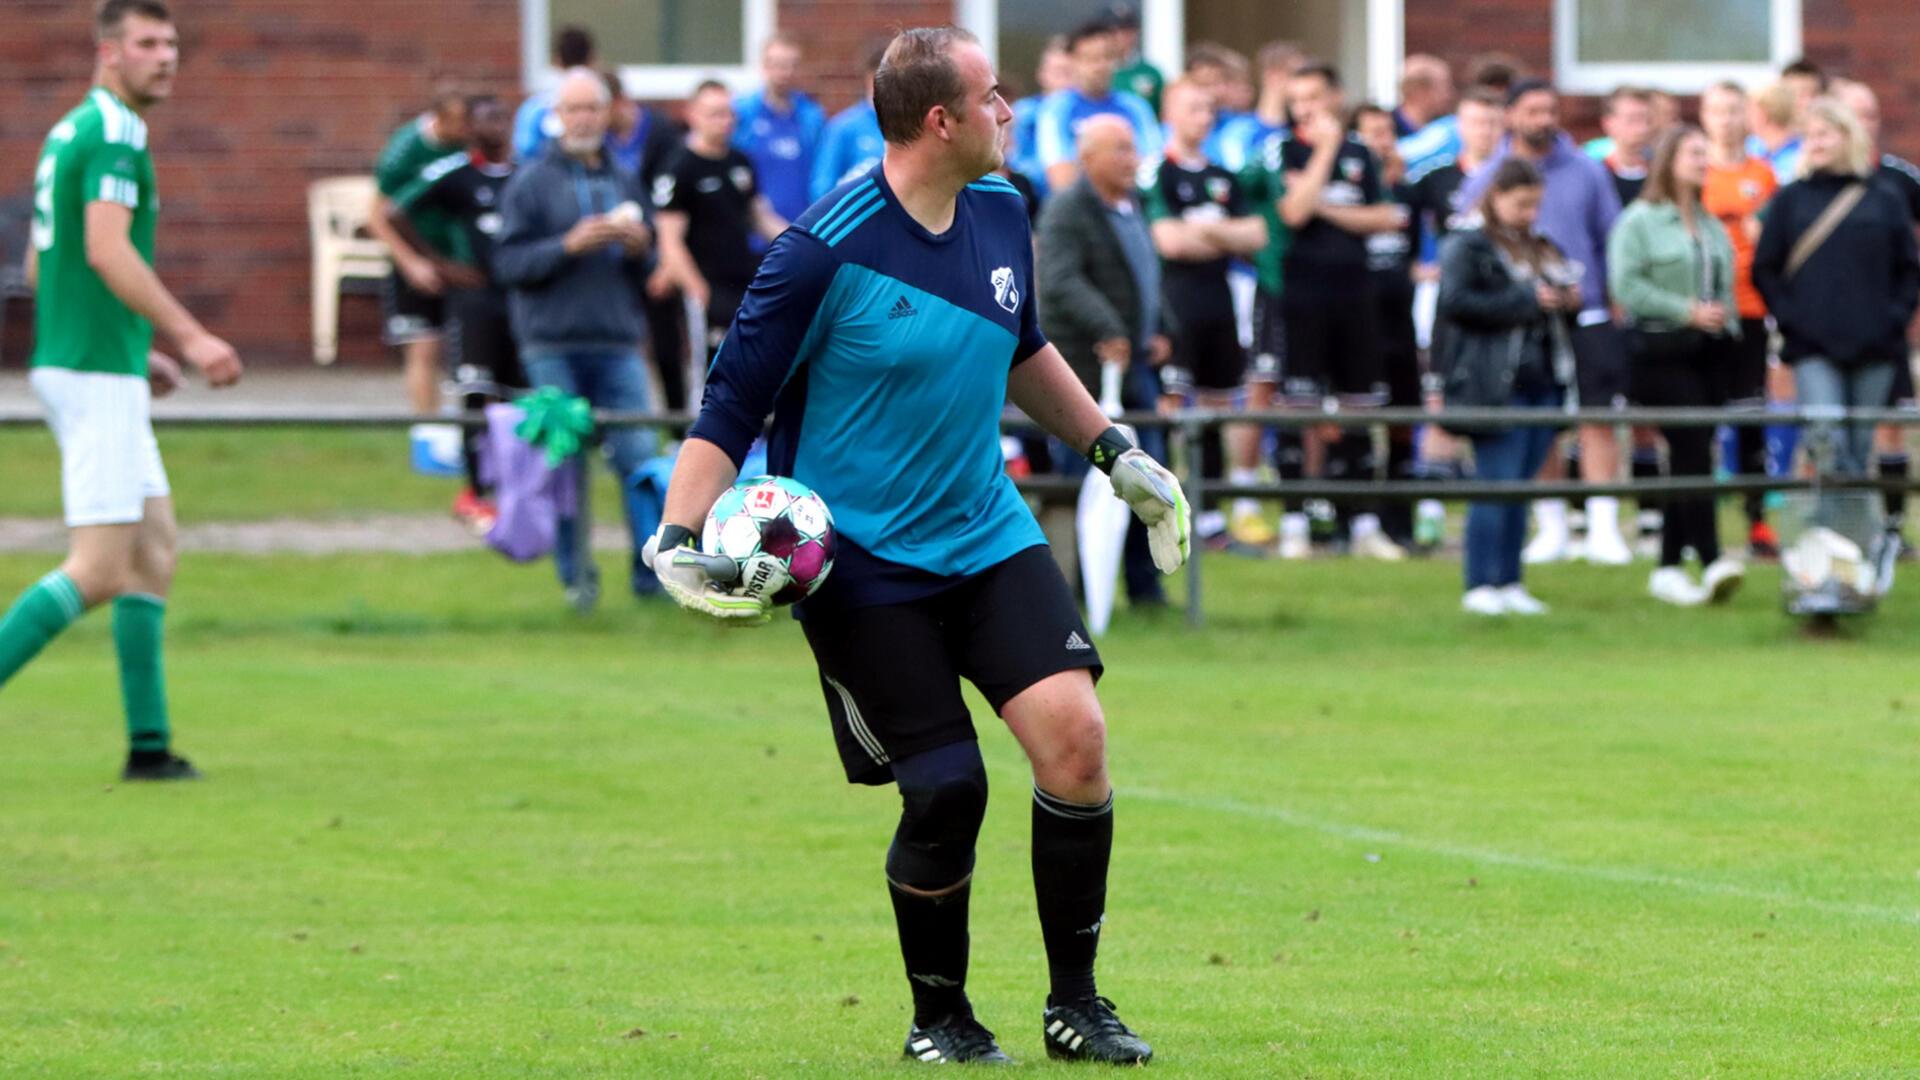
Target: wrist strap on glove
[[675, 536], [1108, 447]]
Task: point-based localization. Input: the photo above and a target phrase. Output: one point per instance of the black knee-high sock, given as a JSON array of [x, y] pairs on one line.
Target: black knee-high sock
[[1645, 465], [1290, 461], [933, 942], [1893, 467], [1072, 843], [1752, 443]]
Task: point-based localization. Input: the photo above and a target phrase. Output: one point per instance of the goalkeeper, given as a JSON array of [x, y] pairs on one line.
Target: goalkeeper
[[884, 333]]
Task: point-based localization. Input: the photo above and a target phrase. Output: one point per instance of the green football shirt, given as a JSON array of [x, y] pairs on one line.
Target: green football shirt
[[1141, 78], [96, 153], [1263, 180], [407, 155]]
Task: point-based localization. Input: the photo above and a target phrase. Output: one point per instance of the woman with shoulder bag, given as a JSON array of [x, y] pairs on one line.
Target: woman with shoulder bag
[[1839, 270], [1506, 298], [1670, 268]]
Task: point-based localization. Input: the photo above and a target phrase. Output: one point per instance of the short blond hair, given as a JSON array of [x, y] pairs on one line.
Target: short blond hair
[[1856, 150], [1776, 102]]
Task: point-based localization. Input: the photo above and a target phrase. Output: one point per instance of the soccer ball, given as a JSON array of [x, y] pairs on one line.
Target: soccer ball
[[778, 532]]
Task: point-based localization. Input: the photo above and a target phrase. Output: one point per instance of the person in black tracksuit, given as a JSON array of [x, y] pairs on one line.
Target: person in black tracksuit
[[709, 204], [1390, 257], [468, 188]]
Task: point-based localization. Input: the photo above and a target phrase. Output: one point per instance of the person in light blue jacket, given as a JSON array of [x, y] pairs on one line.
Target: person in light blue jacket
[[780, 129], [851, 143]]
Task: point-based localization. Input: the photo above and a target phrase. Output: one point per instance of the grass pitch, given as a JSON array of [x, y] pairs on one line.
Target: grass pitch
[[450, 830]]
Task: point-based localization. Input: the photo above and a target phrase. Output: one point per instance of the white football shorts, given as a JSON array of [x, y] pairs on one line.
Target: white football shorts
[[109, 460]]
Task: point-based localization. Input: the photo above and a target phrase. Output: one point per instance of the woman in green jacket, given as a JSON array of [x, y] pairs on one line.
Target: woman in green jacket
[[1670, 268]]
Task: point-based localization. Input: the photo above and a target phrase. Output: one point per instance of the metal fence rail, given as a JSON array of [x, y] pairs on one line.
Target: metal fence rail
[[1187, 427]]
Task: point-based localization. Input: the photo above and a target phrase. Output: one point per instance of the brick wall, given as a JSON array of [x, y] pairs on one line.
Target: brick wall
[[1869, 40], [272, 94], [276, 93]]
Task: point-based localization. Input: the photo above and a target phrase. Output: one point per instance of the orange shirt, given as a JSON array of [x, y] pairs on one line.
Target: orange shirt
[[1735, 194]]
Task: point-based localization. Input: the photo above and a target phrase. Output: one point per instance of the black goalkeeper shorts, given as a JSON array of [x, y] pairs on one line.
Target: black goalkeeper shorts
[[891, 673]]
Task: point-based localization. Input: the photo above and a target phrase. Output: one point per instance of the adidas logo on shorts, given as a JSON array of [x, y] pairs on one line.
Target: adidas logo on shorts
[[1076, 643]]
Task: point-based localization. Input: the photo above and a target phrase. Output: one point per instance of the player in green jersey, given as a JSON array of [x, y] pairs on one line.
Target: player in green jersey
[[98, 304]]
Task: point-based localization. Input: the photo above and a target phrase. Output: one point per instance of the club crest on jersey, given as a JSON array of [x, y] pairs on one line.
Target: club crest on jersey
[[1353, 169], [742, 177], [1004, 292], [662, 190], [1219, 188]]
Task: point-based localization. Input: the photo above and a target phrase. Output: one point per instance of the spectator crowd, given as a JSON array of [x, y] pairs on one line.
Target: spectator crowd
[[1244, 234]]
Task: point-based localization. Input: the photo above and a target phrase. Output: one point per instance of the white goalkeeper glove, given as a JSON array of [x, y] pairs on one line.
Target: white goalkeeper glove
[[1153, 493], [698, 581]]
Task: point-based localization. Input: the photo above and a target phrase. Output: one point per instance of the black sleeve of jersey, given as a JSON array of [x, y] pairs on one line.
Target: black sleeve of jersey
[[664, 136], [1236, 198], [1371, 188], [673, 188]]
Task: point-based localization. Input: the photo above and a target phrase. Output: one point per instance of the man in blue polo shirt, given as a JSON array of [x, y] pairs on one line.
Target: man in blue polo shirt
[[1095, 53], [780, 129], [885, 332]]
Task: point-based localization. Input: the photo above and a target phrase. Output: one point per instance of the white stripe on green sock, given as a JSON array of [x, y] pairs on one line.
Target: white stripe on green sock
[[49, 606]]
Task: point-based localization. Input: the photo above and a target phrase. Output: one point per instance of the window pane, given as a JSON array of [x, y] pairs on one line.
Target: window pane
[[657, 31], [1675, 31], [1025, 27]]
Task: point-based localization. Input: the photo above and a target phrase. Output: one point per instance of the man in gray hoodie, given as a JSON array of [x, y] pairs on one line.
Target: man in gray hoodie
[[1576, 213], [573, 249]]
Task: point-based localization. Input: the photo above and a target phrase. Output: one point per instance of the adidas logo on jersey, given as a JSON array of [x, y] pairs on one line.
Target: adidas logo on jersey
[[1076, 643], [901, 309]]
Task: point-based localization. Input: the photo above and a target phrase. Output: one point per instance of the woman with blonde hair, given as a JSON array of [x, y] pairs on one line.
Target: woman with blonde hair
[[1840, 272], [1670, 268]]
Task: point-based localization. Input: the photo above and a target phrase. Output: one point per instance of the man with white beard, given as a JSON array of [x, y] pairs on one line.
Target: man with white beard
[[574, 246]]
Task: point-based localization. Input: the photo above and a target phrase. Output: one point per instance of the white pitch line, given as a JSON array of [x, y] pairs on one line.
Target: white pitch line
[[1618, 874]]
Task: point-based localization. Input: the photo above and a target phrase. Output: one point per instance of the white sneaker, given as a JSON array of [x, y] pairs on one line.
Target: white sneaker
[[1550, 538], [1483, 600], [1296, 537], [1519, 601], [1375, 545], [1606, 548], [1722, 579], [1671, 585]]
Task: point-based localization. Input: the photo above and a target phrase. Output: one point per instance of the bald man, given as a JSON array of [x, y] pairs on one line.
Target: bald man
[[574, 244], [1099, 280], [1426, 94]]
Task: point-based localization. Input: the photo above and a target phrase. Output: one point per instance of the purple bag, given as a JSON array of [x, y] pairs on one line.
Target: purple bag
[[531, 495]]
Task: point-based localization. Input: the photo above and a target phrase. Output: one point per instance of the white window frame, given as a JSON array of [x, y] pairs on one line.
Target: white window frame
[[1680, 78], [654, 82], [1163, 34]]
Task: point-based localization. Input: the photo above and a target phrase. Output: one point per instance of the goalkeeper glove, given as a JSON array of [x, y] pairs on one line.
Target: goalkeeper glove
[[698, 581], [1152, 492]]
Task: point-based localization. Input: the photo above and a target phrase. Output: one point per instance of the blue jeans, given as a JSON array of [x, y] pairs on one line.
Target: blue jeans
[[1844, 449], [609, 380], [1496, 531]]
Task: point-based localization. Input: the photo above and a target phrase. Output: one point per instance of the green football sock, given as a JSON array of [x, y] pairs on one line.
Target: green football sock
[[50, 606], [143, 683]]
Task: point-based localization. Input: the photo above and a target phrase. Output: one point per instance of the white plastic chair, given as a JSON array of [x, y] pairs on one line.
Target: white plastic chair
[[337, 214]]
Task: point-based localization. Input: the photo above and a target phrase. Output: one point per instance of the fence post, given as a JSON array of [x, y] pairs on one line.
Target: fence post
[[1190, 434], [586, 581]]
